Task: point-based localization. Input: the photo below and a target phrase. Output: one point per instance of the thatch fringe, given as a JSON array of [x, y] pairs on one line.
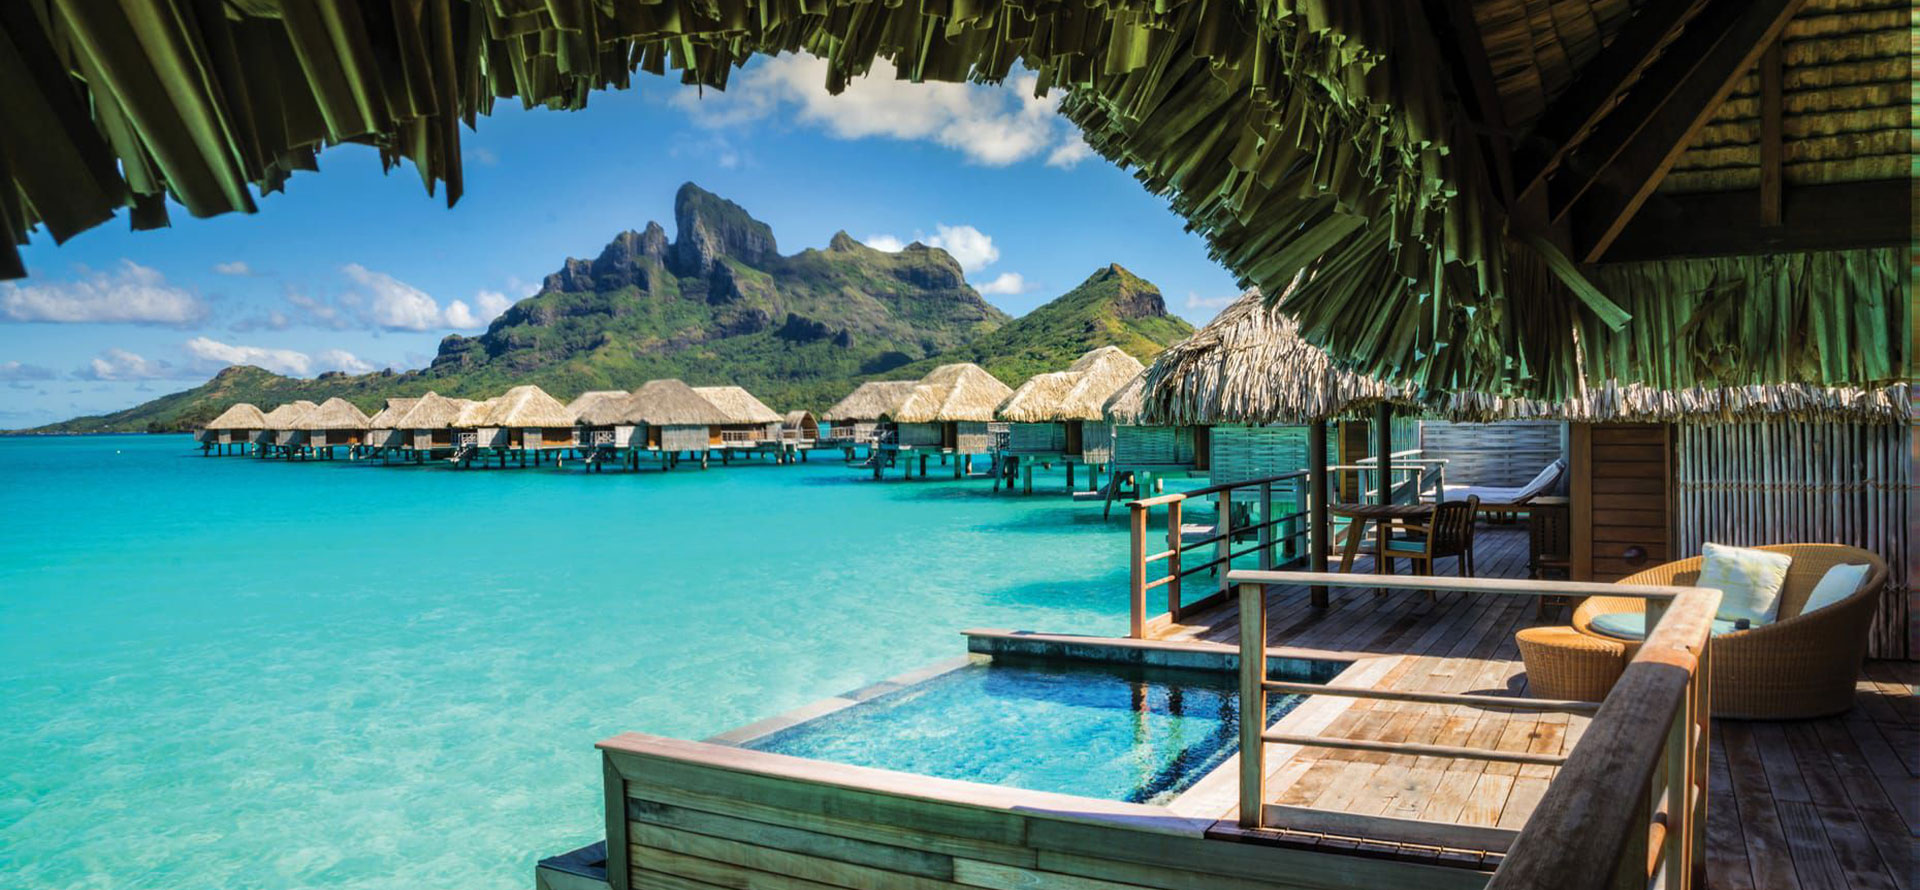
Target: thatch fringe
[[1699, 405]]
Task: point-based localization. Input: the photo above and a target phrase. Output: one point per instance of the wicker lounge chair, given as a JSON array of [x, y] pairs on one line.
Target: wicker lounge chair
[[1798, 666]]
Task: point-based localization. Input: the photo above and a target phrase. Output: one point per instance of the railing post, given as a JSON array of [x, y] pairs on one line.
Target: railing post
[[1223, 548], [1253, 703], [1266, 529], [1679, 790], [1699, 745], [1137, 559], [1173, 558]]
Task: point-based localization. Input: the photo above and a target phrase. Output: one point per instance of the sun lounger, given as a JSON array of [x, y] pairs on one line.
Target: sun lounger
[[1498, 498]]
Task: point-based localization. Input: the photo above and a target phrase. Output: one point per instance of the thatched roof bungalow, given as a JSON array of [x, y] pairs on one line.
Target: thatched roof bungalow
[[862, 415], [429, 424], [949, 409], [335, 422], [750, 421], [671, 416], [237, 425], [597, 414], [383, 427], [1048, 413], [283, 424], [524, 418]]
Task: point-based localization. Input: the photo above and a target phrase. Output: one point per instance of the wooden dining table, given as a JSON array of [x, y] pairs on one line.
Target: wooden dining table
[[1383, 516]]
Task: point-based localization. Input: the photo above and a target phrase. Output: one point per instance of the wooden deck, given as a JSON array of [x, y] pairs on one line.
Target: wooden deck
[[1809, 804]]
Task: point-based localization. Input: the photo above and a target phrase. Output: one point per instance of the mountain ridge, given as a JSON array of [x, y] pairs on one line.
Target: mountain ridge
[[718, 303]]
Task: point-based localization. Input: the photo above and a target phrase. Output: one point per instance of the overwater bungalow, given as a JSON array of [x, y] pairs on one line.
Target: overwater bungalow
[[283, 435], [383, 430], [234, 431], [752, 427], [672, 422], [335, 424], [945, 414], [1049, 414], [1705, 194], [521, 425], [428, 427], [863, 417]]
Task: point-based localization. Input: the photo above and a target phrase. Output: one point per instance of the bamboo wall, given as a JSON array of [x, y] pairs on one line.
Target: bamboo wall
[[1242, 453], [971, 437], [683, 438], [1791, 482], [919, 433], [1509, 453]]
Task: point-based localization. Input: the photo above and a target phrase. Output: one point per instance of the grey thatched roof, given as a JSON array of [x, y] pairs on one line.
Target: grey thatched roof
[[389, 417], [335, 414], [239, 416], [1078, 393], [962, 391], [1250, 365], [523, 407], [738, 404], [290, 415], [870, 401], [670, 403]]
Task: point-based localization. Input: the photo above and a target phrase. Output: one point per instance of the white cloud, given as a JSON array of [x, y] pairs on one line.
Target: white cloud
[[14, 372], [992, 125], [1067, 155], [888, 243], [119, 364], [1006, 283], [218, 354], [487, 306], [485, 157], [970, 247], [131, 293], [396, 305], [237, 267], [342, 360]]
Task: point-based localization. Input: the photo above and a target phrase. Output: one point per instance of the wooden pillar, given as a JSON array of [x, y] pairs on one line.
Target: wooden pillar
[[1319, 521], [1253, 703]]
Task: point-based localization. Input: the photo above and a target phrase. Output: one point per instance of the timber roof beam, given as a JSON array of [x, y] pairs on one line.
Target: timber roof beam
[[1607, 179]]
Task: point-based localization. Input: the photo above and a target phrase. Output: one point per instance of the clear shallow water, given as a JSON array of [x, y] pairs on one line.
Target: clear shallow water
[[238, 673], [1121, 733]]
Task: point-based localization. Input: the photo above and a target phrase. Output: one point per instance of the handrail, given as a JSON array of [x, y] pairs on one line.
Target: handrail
[[1222, 539], [1628, 806]]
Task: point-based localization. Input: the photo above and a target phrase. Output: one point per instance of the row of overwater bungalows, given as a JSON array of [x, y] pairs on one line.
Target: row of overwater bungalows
[[663, 420]]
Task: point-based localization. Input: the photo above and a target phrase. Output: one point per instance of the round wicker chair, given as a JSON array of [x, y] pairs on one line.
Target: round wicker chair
[[1800, 665]]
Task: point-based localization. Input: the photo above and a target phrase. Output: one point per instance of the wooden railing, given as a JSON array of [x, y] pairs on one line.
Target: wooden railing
[[739, 437], [1291, 486], [1628, 807]]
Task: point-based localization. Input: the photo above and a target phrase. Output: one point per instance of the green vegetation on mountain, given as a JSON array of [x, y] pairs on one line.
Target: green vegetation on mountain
[[720, 304]]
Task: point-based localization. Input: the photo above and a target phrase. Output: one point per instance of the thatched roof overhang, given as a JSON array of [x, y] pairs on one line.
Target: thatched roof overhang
[[1440, 172], [1078, 393], [601, 407], [335, 414], [432, 412], [524, 407], [388, 417], [290, 415]]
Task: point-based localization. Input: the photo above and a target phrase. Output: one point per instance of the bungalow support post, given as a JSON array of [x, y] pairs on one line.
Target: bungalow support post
[[1318, 519]]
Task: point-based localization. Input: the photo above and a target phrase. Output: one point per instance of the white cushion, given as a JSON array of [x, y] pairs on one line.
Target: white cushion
[[1633, 625], [1749, 580], [1837, 584]]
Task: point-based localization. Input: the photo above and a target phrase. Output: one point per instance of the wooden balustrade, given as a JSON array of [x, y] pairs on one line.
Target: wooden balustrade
[[1141, 561], [1628, 806]]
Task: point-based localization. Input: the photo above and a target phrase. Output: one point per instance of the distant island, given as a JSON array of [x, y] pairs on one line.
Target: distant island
[[720, 304]]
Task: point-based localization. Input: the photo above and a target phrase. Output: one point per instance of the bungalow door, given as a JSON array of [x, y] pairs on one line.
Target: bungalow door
[[1075, 432], [950, 435]]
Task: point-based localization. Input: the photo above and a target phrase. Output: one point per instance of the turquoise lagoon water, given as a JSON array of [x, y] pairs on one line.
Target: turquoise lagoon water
[[237, 673]]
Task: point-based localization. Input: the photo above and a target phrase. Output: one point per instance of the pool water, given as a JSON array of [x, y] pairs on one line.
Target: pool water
[[1118, 732], [227, 672]]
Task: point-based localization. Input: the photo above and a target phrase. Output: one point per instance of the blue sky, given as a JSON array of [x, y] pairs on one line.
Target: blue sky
[[360, 270]]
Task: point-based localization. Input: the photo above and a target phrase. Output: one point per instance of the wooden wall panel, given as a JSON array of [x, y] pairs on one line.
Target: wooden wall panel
[[1622, 498]]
